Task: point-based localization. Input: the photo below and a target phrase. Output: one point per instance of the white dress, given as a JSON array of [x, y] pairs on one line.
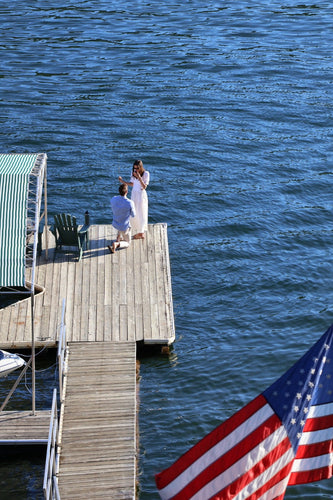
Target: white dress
[[139, 223]]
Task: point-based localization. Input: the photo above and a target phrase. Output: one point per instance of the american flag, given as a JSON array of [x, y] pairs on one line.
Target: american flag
[[282, 437]]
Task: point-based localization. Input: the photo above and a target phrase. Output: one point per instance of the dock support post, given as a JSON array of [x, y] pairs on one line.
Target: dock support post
[[33, 374]]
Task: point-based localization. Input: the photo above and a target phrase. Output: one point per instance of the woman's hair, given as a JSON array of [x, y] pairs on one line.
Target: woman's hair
[[138, 163]]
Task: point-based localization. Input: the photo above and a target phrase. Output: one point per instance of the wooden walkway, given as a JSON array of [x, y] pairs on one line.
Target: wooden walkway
[[121, 297], [98, 437]]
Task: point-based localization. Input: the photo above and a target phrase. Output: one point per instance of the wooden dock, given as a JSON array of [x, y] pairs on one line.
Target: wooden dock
[[112, 302], [121, 297], [98, 436]]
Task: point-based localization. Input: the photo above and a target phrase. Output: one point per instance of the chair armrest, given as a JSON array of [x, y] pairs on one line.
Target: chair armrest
[[84, 236], [84, 229]]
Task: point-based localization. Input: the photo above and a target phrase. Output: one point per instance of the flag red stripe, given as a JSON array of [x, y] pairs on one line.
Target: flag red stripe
[[228, 459], [314, 450], [234, 488], [282, 474], [251, 441], [310, 476], [316, 424], [219, 433]]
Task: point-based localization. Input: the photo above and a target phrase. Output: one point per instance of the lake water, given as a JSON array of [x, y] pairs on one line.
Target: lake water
[[229, 105]]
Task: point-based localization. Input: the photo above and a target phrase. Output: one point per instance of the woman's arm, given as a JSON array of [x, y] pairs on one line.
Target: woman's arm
[[124, 182], [140, 179], [143, 185]]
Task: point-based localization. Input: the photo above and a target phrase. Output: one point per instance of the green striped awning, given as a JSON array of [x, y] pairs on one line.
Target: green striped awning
[[14, 178]]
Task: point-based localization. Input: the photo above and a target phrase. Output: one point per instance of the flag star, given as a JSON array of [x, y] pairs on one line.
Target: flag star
[[324, 359], [311, 384], [308, 397], [306, 410], [299, 435], [296, 408], [313, 371], [301, 370], [287, 395], [302, 423], [326, 346], [288, 382], [293, 421], [299, 395]]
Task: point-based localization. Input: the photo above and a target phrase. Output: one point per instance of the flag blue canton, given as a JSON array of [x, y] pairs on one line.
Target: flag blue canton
[[309, 382]]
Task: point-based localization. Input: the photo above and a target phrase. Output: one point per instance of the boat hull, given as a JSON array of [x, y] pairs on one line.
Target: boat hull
[[9, 362]]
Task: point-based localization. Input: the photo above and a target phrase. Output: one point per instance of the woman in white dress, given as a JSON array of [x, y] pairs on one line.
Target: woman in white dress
[[139, 182]]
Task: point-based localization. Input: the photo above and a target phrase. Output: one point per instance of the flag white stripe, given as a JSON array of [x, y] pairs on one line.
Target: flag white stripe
[[276, 490], [245, 464], [316, 436], [270, 472], [320, 410], [311, 463], [216, 451]]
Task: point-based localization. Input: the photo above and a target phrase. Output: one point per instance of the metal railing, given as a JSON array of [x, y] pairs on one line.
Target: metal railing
[[50, 483], [62, 353]]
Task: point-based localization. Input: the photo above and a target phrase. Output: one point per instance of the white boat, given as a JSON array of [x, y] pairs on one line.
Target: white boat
[[9, 362]]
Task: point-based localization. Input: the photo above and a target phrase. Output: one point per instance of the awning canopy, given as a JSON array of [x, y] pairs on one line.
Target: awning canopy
[[21, 185]]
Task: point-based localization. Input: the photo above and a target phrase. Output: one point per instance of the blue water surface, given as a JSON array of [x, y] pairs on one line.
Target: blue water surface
[[229, 105]]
